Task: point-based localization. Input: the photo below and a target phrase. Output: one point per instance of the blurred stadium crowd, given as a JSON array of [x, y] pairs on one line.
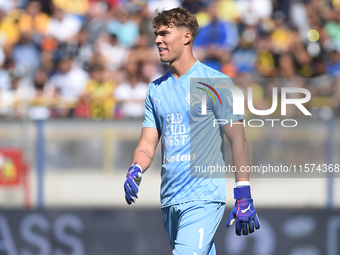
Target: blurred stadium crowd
[[94, 59]]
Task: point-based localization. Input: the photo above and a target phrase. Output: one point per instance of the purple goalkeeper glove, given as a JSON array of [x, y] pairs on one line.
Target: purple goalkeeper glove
[[243, 212], [131, 185]]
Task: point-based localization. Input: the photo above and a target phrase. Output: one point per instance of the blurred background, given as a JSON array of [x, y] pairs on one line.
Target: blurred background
[[73, 78]]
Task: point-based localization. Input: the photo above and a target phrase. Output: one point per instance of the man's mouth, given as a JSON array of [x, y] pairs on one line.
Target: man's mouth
[[162, 50]]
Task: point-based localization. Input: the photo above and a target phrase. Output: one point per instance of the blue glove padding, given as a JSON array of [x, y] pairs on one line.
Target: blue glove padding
[[243, 212], [133, 179]]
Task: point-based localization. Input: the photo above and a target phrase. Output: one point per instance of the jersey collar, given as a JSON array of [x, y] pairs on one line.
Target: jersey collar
[[188, 73]]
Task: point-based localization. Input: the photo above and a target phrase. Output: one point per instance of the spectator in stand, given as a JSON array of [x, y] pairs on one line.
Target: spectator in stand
[[79, 47], [114, 53], [300, 55], [112, 4], [333, 66], [265, 63], [215, 40], [124, 28], [5, 80], [39, 82], [286, 66], [151, 71], [244, 57], [95, 23], [33, 20], [67, 85], [12, 100], [193, 6], [130, 97], [144, 50], [84, 50], [145, 28], [26, 54], [9, 33], [163, 4], [131, 7], [299, 17], [228, 10], [78, 7], [40, 96], [47, 61], [282, 35], [252, 11], [332, 28], [99, 90], [63, 26], [8, 5]]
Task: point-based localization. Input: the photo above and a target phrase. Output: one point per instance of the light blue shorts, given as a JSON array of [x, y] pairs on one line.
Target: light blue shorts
[[191, 226]]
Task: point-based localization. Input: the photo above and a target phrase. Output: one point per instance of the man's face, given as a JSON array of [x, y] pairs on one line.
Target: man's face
[[170, 42], [65, 65]]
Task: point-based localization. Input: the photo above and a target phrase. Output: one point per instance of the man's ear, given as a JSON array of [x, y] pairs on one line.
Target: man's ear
[[187, 38]]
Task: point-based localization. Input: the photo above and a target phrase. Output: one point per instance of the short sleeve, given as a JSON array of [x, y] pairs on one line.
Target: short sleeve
[[223, 106], [149, 116]]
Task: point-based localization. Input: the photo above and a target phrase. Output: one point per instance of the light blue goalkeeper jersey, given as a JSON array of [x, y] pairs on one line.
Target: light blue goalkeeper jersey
[[167, 107]]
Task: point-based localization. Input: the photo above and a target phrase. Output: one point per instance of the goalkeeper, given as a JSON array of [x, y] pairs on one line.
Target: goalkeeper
[[192, 208]]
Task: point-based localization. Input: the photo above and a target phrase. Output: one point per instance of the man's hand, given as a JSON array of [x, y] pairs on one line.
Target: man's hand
[[131, 185], [243, 212]]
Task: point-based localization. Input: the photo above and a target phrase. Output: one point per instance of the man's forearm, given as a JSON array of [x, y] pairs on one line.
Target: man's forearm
[[241, 160], [143, 156], [145, 150]]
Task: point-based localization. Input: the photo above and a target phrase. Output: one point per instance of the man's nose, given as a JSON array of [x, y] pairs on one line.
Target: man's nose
[[158, 40]]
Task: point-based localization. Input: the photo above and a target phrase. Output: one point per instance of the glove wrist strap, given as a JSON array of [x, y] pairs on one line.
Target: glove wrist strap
[[242, 183], [242, 192], [139, 168], [136, 166]]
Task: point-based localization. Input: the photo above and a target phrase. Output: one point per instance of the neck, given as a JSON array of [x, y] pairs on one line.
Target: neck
[[181, 66]]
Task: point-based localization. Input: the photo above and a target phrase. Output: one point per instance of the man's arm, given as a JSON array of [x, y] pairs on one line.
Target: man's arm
[[141, 161], [145, 150], [244, 211], [240, 153]]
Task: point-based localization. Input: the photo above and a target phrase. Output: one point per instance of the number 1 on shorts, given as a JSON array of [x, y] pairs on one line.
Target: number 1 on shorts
[[201, 231]]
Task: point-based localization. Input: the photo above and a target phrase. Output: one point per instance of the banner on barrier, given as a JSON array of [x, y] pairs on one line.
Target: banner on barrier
[[141, 232], [11, 166]]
